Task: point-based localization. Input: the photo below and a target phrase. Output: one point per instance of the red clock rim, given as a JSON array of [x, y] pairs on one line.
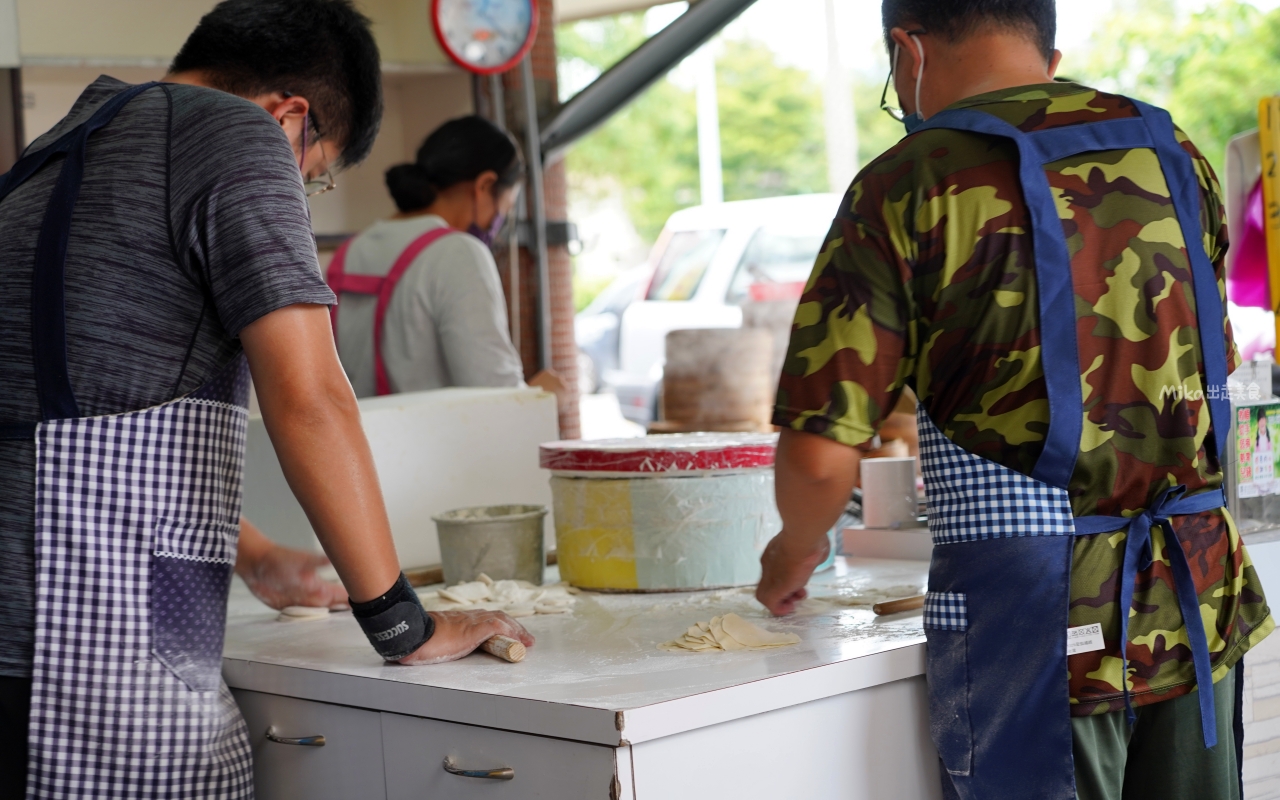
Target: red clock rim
[[504, 66]]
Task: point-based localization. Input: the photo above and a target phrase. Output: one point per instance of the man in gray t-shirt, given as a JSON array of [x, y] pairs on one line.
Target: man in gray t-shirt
[[191, 224], [190, 243]]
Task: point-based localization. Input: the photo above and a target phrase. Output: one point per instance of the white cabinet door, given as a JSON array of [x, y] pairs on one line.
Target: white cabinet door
[[871, 744], [544, 769], [348, 766]]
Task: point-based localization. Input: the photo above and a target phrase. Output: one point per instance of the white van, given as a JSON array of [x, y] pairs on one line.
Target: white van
[[708, 262]]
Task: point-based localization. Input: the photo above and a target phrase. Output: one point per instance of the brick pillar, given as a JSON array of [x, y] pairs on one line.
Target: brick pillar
[[564, 350]]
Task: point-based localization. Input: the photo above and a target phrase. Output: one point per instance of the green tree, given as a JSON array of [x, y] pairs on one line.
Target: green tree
[[588, 47], [771, 127], [649, 150], [877, 131], [1209, 68]]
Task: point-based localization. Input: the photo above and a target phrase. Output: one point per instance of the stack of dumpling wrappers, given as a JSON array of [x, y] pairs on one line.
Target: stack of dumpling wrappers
[[517, 598], [730, 632]]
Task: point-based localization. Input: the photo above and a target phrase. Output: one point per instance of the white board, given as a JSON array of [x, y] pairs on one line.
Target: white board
[[434, 451]]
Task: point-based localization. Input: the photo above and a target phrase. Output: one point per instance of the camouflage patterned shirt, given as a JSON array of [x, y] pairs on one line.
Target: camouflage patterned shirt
[[927, 280]]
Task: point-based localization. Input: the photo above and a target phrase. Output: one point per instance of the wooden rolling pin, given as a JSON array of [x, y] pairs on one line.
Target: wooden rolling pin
[[895, 606], [505, 648]]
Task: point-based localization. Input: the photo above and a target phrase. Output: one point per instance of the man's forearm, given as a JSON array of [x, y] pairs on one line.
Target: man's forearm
[[815, 477], [253, 544], [327, 462], [313, 419]]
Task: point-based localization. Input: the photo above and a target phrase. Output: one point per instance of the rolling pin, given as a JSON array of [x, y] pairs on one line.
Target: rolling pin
[[891, 607], [505, 648]]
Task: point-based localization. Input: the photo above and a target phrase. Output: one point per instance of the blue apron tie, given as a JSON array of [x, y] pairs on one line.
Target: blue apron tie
[[48, 317], [1137, 557]]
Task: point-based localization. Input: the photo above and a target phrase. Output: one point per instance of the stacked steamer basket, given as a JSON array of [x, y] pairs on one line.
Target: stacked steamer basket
[[663, 513], [717, 380]]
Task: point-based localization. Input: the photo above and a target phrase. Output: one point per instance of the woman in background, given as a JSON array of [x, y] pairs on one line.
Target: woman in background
[[420, 305]]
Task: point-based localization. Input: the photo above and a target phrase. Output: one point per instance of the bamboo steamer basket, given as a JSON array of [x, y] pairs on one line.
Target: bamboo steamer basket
[[720, 378]]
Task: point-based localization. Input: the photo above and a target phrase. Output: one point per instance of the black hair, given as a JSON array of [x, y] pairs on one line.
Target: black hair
[[456, 152], [955, 19], [322, 50]]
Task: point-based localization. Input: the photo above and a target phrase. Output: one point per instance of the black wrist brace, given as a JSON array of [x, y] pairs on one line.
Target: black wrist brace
[[395, 623]]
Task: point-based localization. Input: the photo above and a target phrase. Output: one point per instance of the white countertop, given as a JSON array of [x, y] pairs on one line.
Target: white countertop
[[596, 675]]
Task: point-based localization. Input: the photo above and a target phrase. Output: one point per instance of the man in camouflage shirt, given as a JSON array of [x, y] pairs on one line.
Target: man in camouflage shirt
[[927, 282]]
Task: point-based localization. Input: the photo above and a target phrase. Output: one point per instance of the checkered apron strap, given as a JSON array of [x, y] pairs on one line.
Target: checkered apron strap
[[136, 526]]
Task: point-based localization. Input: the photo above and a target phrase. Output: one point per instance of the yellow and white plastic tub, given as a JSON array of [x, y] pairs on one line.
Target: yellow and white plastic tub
[[663, 513]]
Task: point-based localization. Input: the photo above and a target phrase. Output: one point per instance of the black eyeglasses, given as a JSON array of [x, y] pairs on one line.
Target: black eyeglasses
[[893, 111], [319, 186], [326, 183]]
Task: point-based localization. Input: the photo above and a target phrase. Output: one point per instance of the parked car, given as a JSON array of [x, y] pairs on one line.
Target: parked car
[[597, 326], [708, 263]]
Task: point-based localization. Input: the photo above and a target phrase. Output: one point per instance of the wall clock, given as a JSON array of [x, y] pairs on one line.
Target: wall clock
[[485, 36]]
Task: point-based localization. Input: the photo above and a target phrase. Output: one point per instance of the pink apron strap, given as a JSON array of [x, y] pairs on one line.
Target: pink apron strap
[[383, 287], [336, 278], [388, 288], [339, 281]]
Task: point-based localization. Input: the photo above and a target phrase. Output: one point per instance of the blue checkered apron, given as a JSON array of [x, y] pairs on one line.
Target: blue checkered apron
[[996, 613], [137, 519]]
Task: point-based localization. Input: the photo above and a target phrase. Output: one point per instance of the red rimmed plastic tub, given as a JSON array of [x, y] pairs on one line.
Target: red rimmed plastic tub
[[663, 513]]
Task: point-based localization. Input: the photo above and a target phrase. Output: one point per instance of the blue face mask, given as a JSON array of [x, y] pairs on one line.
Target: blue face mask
[[912, 122]]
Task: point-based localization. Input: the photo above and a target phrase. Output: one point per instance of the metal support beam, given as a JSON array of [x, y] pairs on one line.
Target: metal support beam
[[632, 75], [498, 100], [537, 212], [12, 137]]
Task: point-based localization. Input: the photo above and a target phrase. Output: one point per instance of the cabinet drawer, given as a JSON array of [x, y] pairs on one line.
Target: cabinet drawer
[[348, 766], [545, 769]]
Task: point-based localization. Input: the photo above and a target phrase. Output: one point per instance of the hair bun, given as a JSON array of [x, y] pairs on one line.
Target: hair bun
[[410, 186]]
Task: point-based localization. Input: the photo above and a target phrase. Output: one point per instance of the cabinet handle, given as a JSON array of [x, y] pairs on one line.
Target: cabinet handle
[[499, 774], [303, 741]]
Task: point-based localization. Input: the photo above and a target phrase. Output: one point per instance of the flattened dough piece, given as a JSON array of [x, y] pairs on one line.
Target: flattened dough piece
[[302, 613], [753, 636], [728, 633], [466, 592], [305, 611], [722, 638]]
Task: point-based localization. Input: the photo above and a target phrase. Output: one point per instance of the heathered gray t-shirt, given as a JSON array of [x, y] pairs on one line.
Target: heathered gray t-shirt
[[191, 223]]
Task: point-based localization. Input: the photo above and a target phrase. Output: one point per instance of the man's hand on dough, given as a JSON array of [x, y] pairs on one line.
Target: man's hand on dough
[[787, 566], [280, 577], [459, 633]]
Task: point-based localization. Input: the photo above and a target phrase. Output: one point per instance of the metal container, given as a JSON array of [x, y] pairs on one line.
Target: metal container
[[889, 493], [503, 542]]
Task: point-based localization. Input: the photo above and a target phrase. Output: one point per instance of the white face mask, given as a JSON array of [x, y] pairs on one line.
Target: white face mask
[[917, 119]]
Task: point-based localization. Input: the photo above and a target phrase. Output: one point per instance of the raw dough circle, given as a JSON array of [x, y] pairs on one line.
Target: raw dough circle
[[305, 611]]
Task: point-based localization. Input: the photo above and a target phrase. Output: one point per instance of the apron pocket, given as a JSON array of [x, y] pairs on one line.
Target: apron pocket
[[947, 667], [191, 568]]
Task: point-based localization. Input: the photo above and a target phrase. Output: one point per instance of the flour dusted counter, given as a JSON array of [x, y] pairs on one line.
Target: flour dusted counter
[[596, 711]]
